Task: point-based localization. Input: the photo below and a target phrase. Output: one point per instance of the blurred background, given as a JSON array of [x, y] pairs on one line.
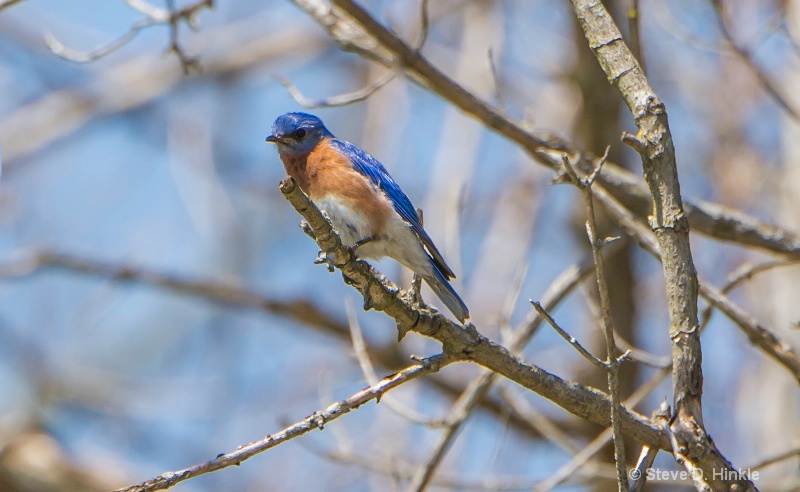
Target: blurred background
[[159, 304]]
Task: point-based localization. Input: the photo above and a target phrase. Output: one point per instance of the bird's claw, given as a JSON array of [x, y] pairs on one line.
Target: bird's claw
[[325, 258]]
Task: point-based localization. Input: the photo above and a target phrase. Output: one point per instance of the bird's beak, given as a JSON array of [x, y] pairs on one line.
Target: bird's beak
[[273, 139]]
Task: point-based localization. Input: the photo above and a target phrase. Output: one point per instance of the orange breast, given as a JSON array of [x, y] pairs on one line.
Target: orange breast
[[326, 172]]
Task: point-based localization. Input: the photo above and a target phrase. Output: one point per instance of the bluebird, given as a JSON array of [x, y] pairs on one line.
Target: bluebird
[[367, 208]]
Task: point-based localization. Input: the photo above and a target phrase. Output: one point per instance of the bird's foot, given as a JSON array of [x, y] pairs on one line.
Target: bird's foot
[[354, 248], [306, 228], [364, 241], [416, 294], [325, 258]]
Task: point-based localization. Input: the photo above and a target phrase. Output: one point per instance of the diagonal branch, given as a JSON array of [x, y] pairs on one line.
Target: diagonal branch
[[763, 338], [479, 387], [612, 362], [8, 3], [337, 100], [301, 310], [464, 343], [129, 84], [153, 16], [769, 86], [671, 227], [355, 30], [317, 420]]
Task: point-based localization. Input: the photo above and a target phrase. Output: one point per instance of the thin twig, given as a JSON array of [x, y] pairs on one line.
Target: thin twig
[[510, 303], [339, 99], [765, 339], [498, 92], [631, 352], [317, 420], [634, 18], [458, 414], [355, 30], [566, 336], [779, 458], [602, 439], [612, 362], [745, 272], [479, 387], [538, 420], [747, 57], [187, 63], [77, 56], [4, 4], [153, 16], [639, 473], [416, 282], [400, 471], [424, 24], [360, 350]]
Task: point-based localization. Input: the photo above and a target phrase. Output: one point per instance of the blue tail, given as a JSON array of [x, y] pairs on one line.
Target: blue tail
[[438, 282]]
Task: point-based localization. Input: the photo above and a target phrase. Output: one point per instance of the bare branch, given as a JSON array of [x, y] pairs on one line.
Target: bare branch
[[671, 227], [549, 430], [317, 420], [4, 4], [742, 274], [187, 63], [747, 57], [132, 83], [338, 100], [774, 460], [479, 387], [399, 470], [360, 350], [301, 310], [462, 342], [59, 49], [648, 455], [765, 339], [599, 442], [424, 24], [476, 389], [355, 30], [566, 336], [153, 16], [612, 362]]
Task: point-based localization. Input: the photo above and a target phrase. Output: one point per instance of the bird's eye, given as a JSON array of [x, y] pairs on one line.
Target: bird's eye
[[299, 134]]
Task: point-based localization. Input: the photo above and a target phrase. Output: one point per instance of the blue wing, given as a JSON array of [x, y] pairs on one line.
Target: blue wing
[[374, 170]]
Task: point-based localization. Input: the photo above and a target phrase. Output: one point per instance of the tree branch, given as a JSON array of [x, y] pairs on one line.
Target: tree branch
[[671, 227], [763, 338], [317, 420], [355, 30], [8, 3], [612, 363], [153, 16], [479, 387], [463, 343], [301, 310]]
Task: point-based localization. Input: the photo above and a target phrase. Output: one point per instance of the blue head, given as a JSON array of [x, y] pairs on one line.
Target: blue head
[[297, 133]]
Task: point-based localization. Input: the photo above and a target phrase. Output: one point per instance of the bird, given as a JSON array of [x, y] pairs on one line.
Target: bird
[[366, 207]]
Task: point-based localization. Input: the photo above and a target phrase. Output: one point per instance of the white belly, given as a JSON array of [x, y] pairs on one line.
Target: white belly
[[351, 225], [397, 240]]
